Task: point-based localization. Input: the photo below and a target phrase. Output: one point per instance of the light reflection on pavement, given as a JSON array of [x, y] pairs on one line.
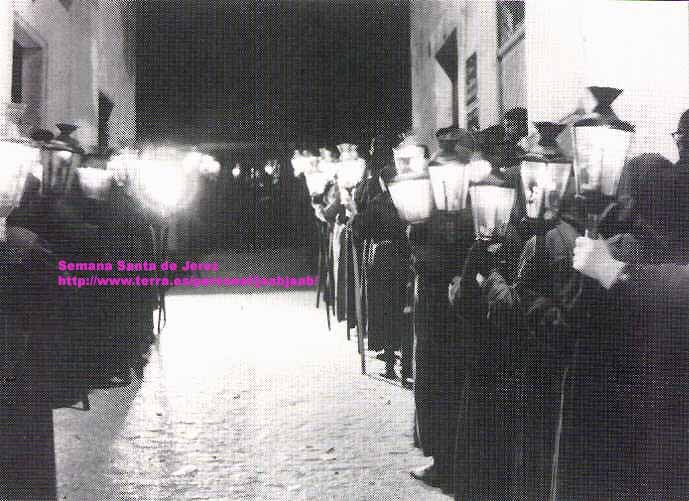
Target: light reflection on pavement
[[245, 397]]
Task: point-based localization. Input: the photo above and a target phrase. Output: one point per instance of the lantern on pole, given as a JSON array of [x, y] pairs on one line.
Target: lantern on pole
[[450, 185], [491, 207], [60, 158], [601, 143], [410, 189], [20, 157], [545, 172], [351, 167], [123, 165], [96, 184]]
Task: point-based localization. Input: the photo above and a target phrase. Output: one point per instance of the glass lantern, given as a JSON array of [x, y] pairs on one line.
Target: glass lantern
[[410, 158], [450, 185], [60, 158], [412, 196], [491, 207], [601, 143], [96, 184], [162, 183], [19, 159], [545, 172]]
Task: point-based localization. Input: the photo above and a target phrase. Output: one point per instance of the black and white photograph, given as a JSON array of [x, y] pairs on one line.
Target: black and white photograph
[[344, 250]]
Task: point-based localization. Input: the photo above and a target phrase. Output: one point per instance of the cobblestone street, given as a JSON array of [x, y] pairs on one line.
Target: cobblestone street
[[246, 396]]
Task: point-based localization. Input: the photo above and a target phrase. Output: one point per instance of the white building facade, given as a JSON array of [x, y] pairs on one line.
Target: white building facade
[[71, 61], [472, 60]]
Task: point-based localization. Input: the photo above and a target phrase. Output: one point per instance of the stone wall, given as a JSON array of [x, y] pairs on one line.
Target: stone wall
[[641, 47], [80, 50], [432, 21]]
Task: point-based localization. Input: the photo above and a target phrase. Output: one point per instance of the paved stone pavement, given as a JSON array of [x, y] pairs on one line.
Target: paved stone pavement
[[245, 397]]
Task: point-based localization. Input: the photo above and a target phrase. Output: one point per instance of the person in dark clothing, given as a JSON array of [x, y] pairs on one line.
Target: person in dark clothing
[[624, 433], [385, 253], [527, 316], [681, 137], [438, 248], [481, 468], [653, 446]]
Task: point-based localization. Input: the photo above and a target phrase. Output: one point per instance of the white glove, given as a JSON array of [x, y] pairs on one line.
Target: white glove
[[453, 288], [593, 259]]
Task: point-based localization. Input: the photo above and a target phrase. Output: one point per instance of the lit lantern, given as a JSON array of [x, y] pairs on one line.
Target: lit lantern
[[412, 196], [162, 183], [19, 159], [601, 143], [491, 207], [327, 163], [545, 172], [316, 181], [296, 163], [95, 184], [236, 171], [196, 163], [269, 167], [450, 186], [60, 158], [351, 168], [410, 158], [319, 170], [122, 166], [210, 167]]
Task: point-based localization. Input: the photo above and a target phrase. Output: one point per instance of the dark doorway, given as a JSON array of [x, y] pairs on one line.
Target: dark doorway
[[17, 64]]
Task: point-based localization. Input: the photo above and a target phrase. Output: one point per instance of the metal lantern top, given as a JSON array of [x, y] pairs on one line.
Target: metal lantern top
[[545, 171], [601, 142]]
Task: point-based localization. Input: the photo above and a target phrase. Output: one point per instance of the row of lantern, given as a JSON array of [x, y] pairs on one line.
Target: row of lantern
[[348, 169], [601, 143], [161, 179], [271, 168]]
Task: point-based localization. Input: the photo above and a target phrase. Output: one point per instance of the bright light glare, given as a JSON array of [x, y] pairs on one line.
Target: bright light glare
[[236, 171], [164, 183], [18, 160], [63, 155]]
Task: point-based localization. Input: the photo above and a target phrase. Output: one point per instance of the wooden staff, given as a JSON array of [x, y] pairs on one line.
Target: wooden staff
[[358, 294]]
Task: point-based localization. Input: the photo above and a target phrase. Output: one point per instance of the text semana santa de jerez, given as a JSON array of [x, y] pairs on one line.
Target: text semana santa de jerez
[[95, 280]]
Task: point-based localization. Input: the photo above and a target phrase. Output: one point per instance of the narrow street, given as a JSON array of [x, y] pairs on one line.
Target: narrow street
[[247, 396]]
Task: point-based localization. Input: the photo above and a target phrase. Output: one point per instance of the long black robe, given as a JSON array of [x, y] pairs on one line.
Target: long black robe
[[624, 433], [531, 312], [385, 264], [438, 248], [481, 464]]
